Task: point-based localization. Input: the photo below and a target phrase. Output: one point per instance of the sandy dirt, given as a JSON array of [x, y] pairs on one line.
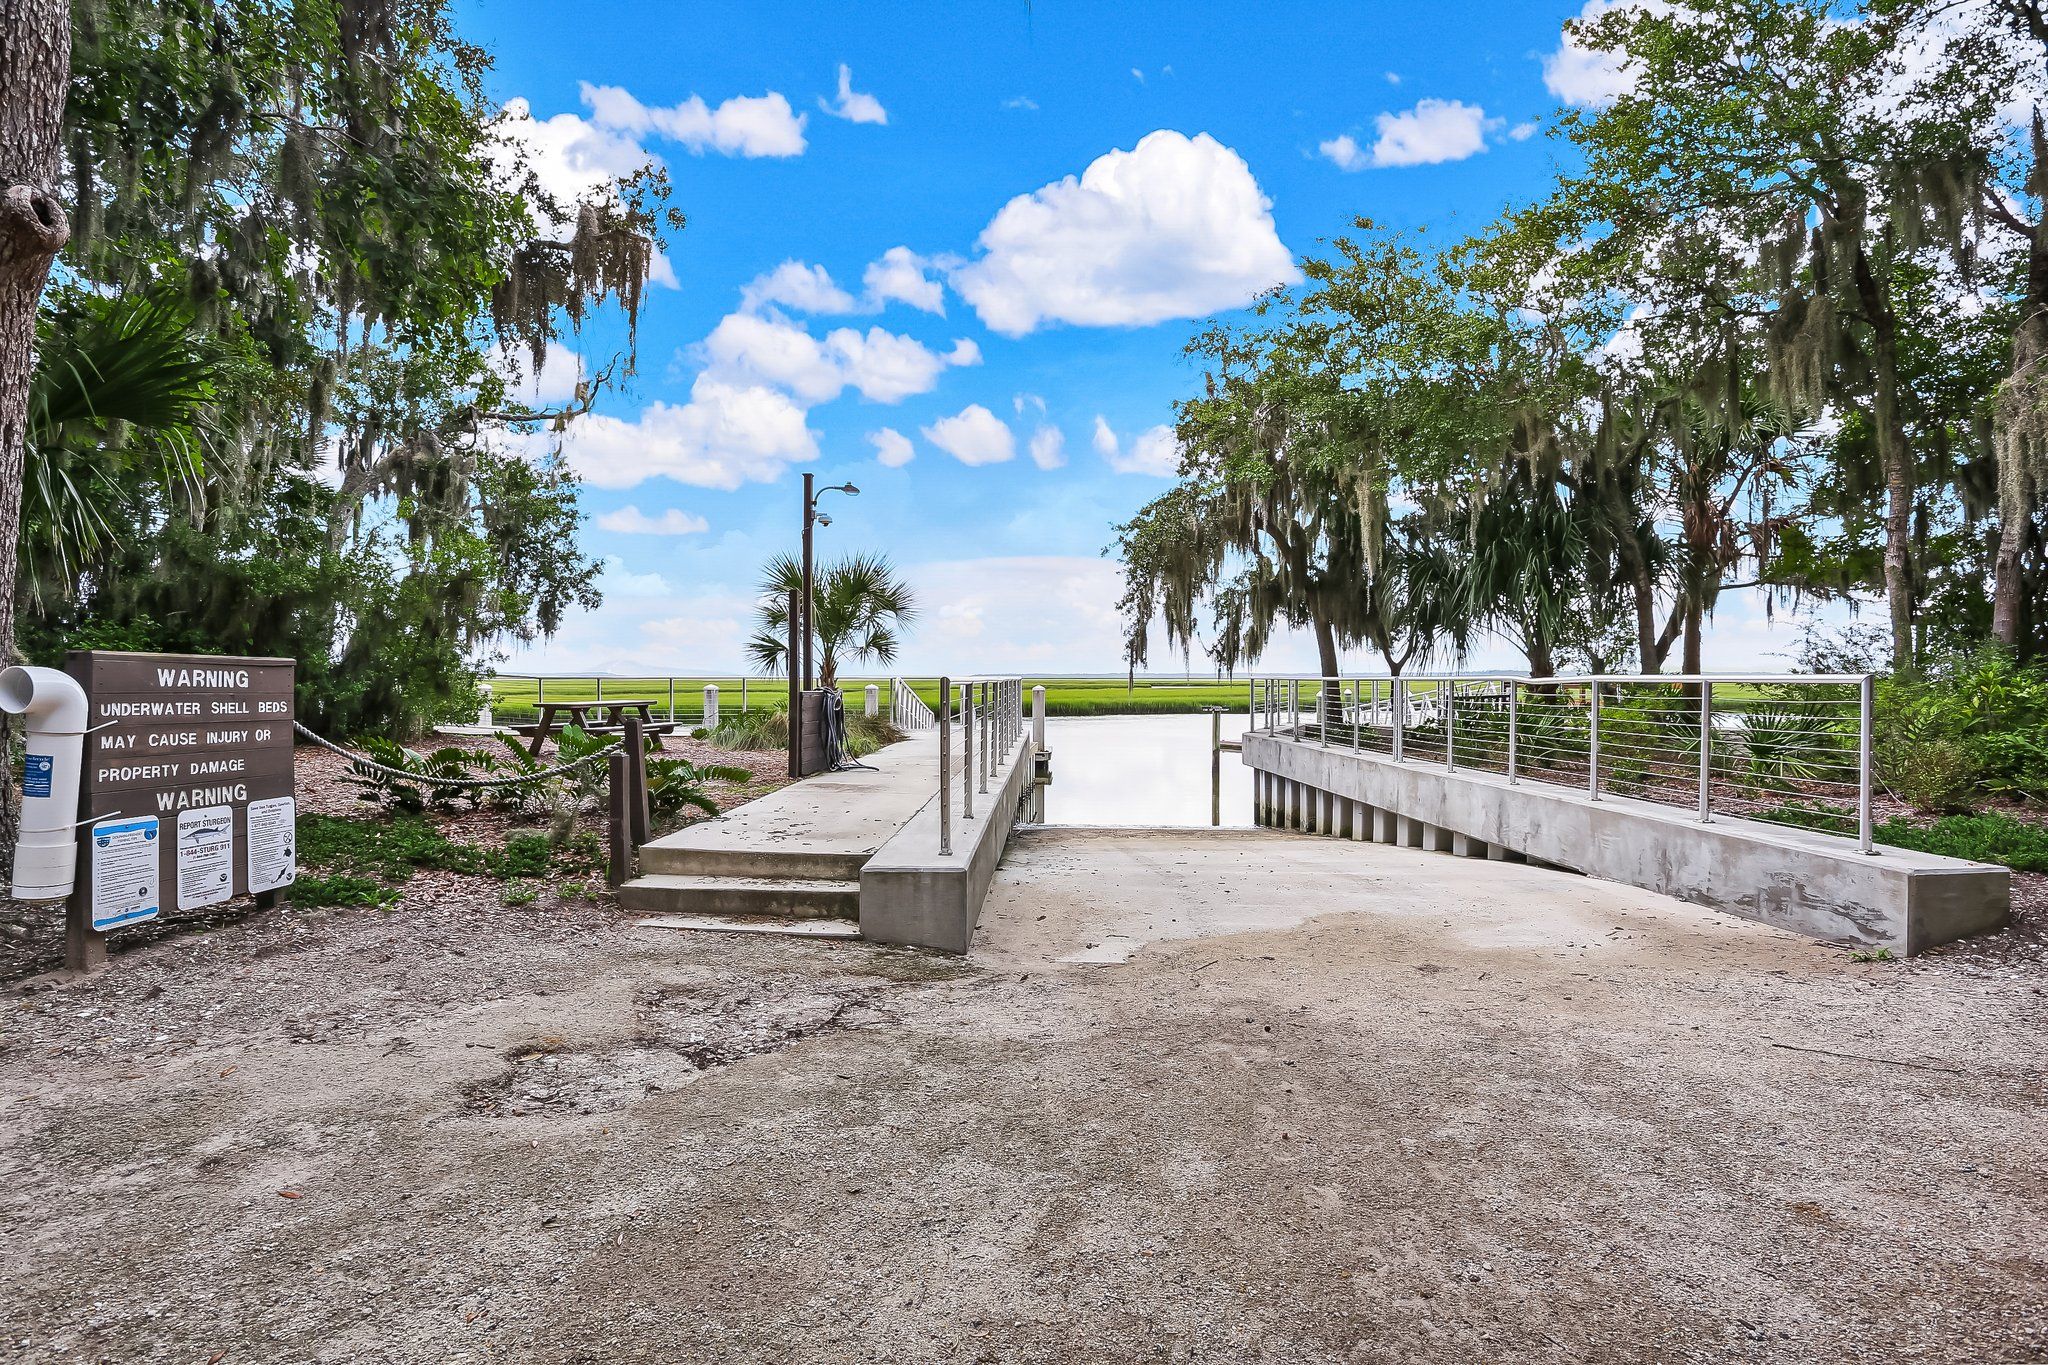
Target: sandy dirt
[[32, 935], [1247, 1097]]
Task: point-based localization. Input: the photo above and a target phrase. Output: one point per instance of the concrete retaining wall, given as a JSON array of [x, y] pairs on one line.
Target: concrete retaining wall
[[1810, 883], [912, 894]]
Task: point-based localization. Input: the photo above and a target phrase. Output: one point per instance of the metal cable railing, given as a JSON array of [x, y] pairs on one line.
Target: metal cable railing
[[989, 715], [1792, 749]]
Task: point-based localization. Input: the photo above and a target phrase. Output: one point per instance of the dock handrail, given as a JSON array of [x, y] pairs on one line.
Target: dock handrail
[[993, 705], [1792, 748], [907, 711]]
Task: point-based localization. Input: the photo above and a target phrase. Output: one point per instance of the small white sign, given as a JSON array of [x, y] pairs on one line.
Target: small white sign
[[206, 856], [124, 872], [273, 843]]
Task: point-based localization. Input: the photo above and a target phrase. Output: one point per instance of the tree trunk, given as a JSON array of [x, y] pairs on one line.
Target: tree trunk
[[1542, 662], [2016, 413], [1328, 696], [1643, 588], [1894, 457], [35, 68]]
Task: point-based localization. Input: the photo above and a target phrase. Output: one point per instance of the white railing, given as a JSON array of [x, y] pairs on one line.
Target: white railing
[[1788, 748], [907, 711], [991, 707]]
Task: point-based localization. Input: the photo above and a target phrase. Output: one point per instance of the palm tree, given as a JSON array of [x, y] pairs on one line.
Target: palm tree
[[860, 606], [120, 403]]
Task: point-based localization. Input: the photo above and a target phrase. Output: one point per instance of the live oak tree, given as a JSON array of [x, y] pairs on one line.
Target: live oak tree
[[1801, 141], [372, 271], [35, 61]]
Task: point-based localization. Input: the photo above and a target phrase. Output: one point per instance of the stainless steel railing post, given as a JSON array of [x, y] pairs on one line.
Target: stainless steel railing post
[[967, 740], [1400, 697], [1514, 730], [1866, 705], [945, 767], [1447, 692], [1706, 750], [1593, 746]]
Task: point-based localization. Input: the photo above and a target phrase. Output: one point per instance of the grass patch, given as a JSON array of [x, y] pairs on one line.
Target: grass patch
[[1988, 838], [364, 862], [769, 730]]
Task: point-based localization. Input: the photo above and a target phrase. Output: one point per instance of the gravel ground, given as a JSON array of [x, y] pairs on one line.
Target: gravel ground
[[32, 936], [1340, 1103]]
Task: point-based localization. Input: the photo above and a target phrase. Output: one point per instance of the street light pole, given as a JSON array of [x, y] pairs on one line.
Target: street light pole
[[810, 519]]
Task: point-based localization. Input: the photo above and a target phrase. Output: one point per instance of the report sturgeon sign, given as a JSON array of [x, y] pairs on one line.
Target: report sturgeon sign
[[187, 793]]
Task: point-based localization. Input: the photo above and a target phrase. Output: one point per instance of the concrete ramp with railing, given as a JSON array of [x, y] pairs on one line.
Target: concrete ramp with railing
[[902, 845], [1813, 883]]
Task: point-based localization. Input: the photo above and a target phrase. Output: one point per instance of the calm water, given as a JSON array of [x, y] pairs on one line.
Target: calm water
[[1142, 770]]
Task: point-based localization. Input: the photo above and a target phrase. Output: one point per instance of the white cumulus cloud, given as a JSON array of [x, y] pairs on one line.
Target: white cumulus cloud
[[900, 275], [745, 125], [619, 581], [1048, 448], [724, 436], [1581, 75], [1174, 228], [805, 288], [892, 448], [903, 276], [973, 436], [883, 366], [1344, 151], [1434, 131], [631, 521], [1152, 451], [851, 105]]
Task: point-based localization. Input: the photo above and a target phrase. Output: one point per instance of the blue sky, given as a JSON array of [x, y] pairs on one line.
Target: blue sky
[[982, 248]]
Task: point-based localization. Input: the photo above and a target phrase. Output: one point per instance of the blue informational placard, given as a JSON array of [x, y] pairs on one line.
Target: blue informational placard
[[125, 883], [36, 773]]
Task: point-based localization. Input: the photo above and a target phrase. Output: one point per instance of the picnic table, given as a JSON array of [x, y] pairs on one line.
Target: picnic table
[[578, 713]]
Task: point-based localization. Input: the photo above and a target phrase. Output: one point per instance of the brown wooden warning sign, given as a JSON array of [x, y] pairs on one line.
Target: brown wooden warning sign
[[202, 746]]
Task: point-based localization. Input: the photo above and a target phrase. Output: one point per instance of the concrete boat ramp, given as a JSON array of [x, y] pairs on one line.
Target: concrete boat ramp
[[860, 853], [790, 861]]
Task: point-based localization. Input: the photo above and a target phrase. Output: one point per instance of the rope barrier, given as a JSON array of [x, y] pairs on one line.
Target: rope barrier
[[366, 764]]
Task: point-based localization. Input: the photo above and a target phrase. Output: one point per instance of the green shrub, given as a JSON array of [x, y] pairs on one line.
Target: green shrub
[[395, 793], [388, 852], [769, 730], [1978, 721], [1935, 774], [676, 784], [752, 730], [1989, 838], [342, 889]]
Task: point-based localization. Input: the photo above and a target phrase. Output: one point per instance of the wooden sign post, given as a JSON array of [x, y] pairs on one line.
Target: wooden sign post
[[187, 797]]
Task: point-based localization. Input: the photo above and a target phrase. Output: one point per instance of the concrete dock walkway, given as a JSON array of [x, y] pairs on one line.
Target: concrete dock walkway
[[796, 853], [826, 819]]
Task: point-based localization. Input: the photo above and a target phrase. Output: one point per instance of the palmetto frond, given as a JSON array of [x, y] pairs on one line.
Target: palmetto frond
[[860, 606], [121, 388]]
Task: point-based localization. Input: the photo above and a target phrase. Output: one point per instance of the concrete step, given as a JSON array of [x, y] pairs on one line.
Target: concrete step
[[786, 897], [753, 924], [810, 865]]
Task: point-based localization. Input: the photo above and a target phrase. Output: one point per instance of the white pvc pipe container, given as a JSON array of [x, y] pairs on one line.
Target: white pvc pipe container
[[711, 706], [53, 705]]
